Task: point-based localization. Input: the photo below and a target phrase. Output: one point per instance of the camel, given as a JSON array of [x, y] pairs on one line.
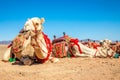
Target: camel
[[80, 50], [39, 42], [76, 49]]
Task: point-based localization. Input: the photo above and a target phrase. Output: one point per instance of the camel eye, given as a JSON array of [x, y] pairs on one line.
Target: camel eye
[[37, 24]]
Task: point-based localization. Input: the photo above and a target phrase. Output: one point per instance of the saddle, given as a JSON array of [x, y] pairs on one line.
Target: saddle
[[59, 49], [18, 42]]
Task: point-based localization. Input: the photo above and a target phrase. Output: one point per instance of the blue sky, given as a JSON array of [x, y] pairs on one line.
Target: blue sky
[[94, 19]]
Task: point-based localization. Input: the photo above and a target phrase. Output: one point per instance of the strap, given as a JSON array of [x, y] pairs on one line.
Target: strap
[[75, 41]]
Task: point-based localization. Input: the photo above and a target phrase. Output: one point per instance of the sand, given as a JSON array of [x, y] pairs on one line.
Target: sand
[[66, 69]]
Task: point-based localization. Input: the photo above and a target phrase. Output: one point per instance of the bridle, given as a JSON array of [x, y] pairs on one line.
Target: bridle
[[36, 31], [112, 53], [106, 52]]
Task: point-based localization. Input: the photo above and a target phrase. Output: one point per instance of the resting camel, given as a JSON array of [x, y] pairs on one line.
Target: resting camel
[[76, 49], [39, 42]]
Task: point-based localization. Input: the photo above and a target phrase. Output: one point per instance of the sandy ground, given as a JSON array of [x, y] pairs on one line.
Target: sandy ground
[[66, 69]]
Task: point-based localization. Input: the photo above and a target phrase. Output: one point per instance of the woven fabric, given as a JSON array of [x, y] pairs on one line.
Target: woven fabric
[[59, 49]]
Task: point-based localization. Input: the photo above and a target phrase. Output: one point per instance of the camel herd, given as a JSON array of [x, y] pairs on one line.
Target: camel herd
[[33, 45]]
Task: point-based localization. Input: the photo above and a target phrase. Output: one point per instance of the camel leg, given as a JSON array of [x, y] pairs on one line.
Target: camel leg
[[86, 52], [7, 54], [81, 55]]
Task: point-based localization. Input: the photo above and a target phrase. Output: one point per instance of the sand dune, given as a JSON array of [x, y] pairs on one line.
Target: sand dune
[[66, 69]]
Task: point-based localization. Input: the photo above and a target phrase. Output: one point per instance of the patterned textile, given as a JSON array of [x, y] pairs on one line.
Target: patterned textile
[[59, 49], [18, 42]]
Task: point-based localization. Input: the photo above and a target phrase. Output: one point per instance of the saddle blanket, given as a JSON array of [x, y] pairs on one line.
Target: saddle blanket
[[59, 49]]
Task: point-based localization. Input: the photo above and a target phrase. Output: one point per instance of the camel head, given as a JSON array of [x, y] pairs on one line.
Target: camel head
[[105, 43], [34, 24]]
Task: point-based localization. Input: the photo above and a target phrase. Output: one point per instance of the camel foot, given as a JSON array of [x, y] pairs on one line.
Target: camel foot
[[54, 60]]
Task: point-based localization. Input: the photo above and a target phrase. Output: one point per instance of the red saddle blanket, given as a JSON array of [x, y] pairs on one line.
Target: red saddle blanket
[[59, 49]]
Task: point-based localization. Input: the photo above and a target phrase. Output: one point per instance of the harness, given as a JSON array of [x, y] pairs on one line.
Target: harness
[[95, 53], [72, 43]]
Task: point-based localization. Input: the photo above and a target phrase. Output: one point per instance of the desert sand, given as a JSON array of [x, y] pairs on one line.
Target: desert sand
[[65, 69]]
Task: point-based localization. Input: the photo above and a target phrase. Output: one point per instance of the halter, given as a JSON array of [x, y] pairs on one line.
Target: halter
[[107, 55], [112, 53], [36, 31]]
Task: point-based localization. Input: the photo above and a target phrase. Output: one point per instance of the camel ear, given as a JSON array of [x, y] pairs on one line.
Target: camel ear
[[42, 20]]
